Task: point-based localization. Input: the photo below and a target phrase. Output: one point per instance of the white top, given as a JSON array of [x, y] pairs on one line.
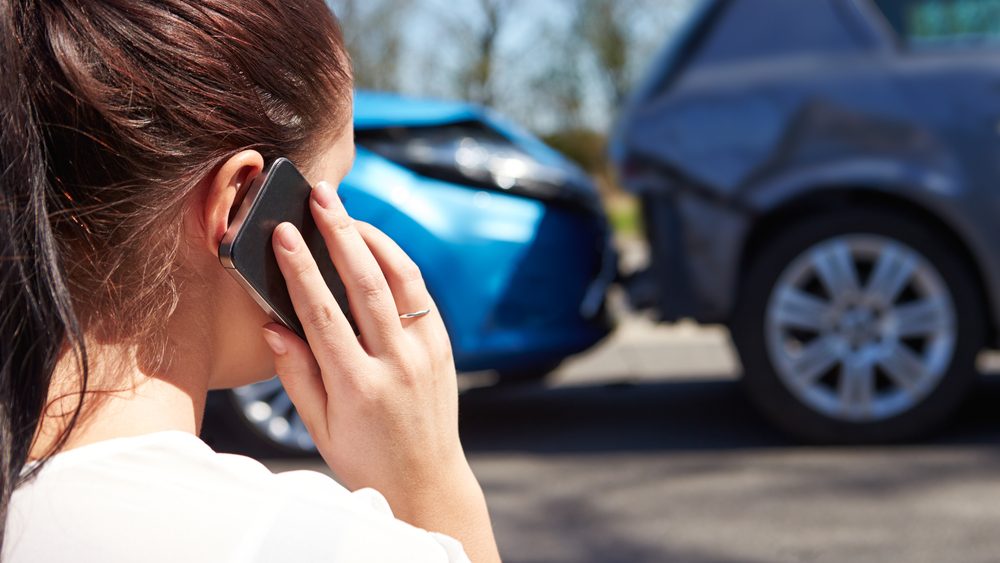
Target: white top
[[168, 497]]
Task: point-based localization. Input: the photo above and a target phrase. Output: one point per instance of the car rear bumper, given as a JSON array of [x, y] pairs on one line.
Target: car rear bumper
[[695, 249]]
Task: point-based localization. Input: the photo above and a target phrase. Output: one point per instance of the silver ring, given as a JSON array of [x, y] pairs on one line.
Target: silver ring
[[415, 315]]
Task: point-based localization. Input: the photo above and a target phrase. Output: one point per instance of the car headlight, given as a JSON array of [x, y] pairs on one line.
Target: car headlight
[[472, 154]]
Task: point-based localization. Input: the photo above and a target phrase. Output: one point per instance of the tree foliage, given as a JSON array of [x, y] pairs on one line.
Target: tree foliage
[[372, 34], [558, 65]]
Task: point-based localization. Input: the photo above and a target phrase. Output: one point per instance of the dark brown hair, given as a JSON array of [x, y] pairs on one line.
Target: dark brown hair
[[111, 112]]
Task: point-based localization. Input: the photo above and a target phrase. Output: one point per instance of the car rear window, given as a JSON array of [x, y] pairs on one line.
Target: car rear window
[[944, 22]]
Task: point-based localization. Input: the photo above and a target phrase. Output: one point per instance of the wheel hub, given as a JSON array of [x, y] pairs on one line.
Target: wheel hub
[[860, 326]]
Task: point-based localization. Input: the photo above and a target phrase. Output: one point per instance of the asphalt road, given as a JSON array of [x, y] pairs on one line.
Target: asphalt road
[[645, 450]]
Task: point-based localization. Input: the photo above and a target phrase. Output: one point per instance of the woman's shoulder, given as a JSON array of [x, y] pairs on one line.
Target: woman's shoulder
[[168, 458], [174, 465], [91, 497]]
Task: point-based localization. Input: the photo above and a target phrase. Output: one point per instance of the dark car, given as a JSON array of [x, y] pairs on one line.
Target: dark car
[[823, 177]]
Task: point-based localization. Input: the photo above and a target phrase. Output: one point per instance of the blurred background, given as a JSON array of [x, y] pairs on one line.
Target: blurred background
[[561, 68], [721, 276]]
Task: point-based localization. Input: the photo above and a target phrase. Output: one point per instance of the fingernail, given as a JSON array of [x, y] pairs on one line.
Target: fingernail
[[275, 342], [323, 193], [287, 237]]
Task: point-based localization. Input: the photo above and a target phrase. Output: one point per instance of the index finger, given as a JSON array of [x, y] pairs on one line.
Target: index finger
[[328, 333]]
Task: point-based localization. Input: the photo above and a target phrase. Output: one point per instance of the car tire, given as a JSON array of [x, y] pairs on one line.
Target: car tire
[[535, 373], [873, 392]]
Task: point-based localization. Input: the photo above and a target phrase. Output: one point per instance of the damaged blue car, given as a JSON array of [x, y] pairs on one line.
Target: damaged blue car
[[510, 236]]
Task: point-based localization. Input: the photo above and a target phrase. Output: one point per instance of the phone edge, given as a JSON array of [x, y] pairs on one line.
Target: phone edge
[[229, 240]]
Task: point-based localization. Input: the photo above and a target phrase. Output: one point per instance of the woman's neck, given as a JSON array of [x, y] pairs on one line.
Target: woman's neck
[[124, 397]]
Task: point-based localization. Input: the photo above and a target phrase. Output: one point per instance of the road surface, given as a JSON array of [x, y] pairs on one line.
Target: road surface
[[645, 450]]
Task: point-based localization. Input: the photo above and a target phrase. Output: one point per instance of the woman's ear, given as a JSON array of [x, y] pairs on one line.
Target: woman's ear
[[225, 189]]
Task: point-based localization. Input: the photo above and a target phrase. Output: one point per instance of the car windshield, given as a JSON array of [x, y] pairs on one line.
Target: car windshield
[[943, 22]]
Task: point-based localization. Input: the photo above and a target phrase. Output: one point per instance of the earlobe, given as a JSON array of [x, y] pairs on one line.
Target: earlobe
[[224, 194]]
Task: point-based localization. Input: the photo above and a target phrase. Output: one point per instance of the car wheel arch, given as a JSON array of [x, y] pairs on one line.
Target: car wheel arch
[[769, 224]]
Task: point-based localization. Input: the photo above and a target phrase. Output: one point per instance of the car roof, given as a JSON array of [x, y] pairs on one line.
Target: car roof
[[753, 29]]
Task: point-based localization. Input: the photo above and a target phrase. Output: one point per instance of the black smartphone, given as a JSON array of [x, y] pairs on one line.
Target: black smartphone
[[278, 195]]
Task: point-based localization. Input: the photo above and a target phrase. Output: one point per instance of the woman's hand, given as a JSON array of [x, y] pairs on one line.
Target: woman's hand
[[382, 408]]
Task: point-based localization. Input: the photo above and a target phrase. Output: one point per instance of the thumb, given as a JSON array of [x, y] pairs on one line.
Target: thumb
[[300, 376]]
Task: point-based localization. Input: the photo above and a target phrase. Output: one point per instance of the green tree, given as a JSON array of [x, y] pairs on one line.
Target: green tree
[[605, 27], [476, 80]]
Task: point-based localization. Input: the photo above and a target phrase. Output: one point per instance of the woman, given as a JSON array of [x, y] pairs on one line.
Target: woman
[[130, 129]]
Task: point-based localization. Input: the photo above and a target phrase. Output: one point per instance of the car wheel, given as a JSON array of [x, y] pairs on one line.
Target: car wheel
[[258, 420], [535, 373], [861, 326]]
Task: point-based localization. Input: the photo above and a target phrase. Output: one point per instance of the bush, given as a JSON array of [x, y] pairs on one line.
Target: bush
[[583, 146]]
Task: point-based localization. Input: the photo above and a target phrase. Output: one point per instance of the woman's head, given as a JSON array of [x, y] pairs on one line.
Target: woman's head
[[129, 126], [139, 101]]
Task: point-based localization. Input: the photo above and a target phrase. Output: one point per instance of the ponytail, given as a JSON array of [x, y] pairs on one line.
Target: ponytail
[[36, 316]]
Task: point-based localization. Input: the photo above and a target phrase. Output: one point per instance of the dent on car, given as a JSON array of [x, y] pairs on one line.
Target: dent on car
[[748, 122]]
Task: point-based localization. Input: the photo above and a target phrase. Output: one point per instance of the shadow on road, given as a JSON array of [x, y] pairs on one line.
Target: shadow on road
[[682, 415]]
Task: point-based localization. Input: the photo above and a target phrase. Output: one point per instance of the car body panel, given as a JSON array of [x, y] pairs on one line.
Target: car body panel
[[374, 110]]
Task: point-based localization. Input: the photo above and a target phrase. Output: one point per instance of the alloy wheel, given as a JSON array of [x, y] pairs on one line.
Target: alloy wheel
[[860, 327]]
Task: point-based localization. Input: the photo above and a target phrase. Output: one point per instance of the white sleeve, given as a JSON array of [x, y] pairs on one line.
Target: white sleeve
[[319, 520]]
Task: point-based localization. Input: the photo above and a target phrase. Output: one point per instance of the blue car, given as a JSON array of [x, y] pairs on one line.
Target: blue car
[[511, 238]]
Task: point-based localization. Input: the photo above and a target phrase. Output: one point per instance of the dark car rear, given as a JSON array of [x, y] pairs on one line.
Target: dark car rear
[[819, 175]]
